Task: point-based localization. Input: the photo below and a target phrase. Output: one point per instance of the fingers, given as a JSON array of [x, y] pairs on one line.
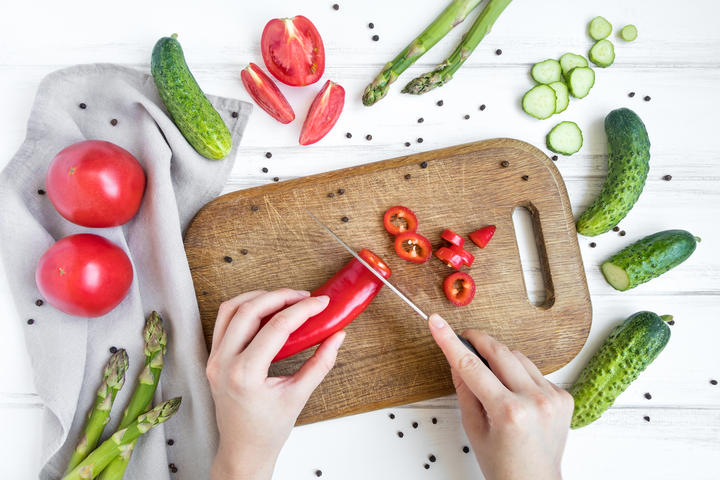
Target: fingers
[[315, 369], [503, 363], [471, 408], [225, 313], [478, 378], [532, 369]]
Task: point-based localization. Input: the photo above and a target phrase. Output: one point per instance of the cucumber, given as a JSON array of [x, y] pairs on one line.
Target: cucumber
[[580, 80], [629, 33], [630, 348], [191, 111], [602, 53], [539, 101], [547, 71], [569, 61], [562, 98], [565, 138], [599, 28], [648, 258], [628, 165]]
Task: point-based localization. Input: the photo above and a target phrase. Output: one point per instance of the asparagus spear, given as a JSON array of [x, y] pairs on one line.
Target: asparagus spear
[[454, 14], [120, 441], [99, 416], [443, 73], [141, 400]]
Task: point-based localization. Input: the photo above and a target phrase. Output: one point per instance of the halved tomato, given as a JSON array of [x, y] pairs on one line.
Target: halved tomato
[[482, 237], [293, 50], [324, 112], [413, 247], [399, 219], [266, 94], [459, 288], [452, 238]]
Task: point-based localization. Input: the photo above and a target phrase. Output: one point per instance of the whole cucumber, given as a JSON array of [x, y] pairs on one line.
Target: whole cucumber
[[648, 258], [191, 111], [628, 165], [629, 349]]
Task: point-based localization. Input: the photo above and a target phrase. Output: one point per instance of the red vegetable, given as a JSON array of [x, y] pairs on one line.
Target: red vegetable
[[350, 290], [293, 50], [482, 237], [451, 258], [266, 94], [467, 257], [453, 238], [84, 275], [95, 184], [459, 288], [400, 219], [413, 247], [324, 112]]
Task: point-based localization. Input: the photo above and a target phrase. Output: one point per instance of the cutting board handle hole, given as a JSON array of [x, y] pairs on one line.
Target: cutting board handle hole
[[533, 257]]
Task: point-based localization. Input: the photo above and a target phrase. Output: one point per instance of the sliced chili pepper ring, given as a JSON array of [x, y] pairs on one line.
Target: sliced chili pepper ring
[[452, 238], [413, 247], [467, 257], [399, 219], [459, 288], [450, 257], [376, 262], [482, 236]]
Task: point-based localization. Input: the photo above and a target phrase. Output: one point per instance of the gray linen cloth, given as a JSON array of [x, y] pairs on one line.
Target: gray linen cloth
[[68, 353]]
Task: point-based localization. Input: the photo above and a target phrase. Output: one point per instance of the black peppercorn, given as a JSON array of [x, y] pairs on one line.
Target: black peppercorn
[[440, 103], [631, 94], [113, 350], [392, 416], [254, 208], [498, 52], [227, 258], [482, 107], [407, 176], [368, 137], [41, 191], [348, 135], [345, 219], [400, 434], [407, 144], [504, 164], [421, 120], [268, 155], [466, 449], [419, 140], [331, 195], [646, 98], [554, 158], [38, 302], [434, 420], [646, 418], [667, 178], [423, 164], [432, 458], [426, 466], [30, 321], [318, 473], [671, 322], [234, 114], [82, 106], [264, 170], [113, 122], [336, 7], [171, 442], [414, 424], [616, 229], [276, 179], [244, 251], [648, 396], [713, 382], [371, 25], [466, 117], [341, 191], [375, 38], [593, 244], [622, 233], [525, 177]]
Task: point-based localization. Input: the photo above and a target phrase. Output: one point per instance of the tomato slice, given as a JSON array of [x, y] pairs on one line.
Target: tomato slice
[[452, 238], [293, 50], [413, 247], [459, 288], [482, 237], [449, 257], [324, 112], [266, 94], [399, 219]]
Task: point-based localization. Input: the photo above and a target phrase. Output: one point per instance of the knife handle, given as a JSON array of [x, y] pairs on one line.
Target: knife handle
[[470, 347]]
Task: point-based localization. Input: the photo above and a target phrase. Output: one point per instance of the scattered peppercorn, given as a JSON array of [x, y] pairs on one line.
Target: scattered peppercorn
[[82, 106], [420, 140], [348, 135], [244, 251], [227, 258], [318, 473], [466, 449], [254, 208], [466, 117], [41, 191], [616, 229], [593, 244], [440, 103], [713, 382], [400, 434], [204, 292], [498, 52], [415, 424], [432, 458], [331, 195], [504, 164], [554, 158], [426, 466], [172, 467], [171, 442], [622, 233], [341, 191], [407, 176], [335, 7], [375, 38], [647, 395], [113, 122], [482, 107], [30, 321], [631, 94], [276, 179], [434, 420], [671, 322], [38, 302], [525, 177], [646, 418], [234, 114], [423, 164], [113, 350], [667, 178], [345, 219], [407, 144], [264, 170], [371, 25], [392, 416], [421, 120], [646, 98], [368, 137], [268, 155]]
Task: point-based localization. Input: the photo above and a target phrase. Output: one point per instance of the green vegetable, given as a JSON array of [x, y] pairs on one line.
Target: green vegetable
[[599, 28], [648, 258], [539, 101], [580, 81], [630, 348], [453, 15], [602, 53], [565, 138], [628, 165], [99, 416], [547, 71], [562, 96], [444, 72], [569, 61], [191, 111], [120, 441], [629, 33]]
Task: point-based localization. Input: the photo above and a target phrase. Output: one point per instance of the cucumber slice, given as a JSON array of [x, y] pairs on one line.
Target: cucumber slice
[[547, 71], [580, 81], [599, 28], [539, 102], [628, 33], [562, 96], [570, 60], [565, 138], [602, 53]]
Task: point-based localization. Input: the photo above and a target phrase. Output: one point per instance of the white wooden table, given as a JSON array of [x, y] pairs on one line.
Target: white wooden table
[[676, 61]]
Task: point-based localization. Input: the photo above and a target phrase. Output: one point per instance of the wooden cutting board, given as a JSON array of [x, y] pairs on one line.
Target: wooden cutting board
[[389, 357]]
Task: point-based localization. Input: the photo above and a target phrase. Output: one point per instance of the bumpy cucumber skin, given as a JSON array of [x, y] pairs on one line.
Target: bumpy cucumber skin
[[630, 348], [191, 111], [654, 255], [628, 165]]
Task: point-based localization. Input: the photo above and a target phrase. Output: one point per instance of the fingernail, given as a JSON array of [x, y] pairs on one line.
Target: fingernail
[[304, 293], [437, 321], [337, 342], [323, 299]]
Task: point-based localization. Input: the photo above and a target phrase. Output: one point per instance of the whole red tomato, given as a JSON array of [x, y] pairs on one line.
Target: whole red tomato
[[84, 275], [293, 50], [95, 184]]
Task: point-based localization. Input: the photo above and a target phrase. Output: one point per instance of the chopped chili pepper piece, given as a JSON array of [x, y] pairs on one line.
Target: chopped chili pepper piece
[[459, 288], [450, 257], [399, 219], [452, 238], [467, 257], [413, 247], [482, 237]]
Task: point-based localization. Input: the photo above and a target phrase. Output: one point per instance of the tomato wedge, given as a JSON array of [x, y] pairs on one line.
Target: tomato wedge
[[450, 257], [293, 50], [399, 219], [413, 247], [324, 112], [459, 288], [266, 94], [452, 238], [482, 237]]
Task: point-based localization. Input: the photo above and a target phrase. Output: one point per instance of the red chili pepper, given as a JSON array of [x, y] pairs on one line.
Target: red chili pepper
[[453, 238], [459, 288], [450, 257], [467, 257], [399, 219], [350, 290], [413, 247], [482, 237]]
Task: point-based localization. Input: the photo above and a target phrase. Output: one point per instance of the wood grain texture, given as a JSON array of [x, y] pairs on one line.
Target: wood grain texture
[[389, 357]]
